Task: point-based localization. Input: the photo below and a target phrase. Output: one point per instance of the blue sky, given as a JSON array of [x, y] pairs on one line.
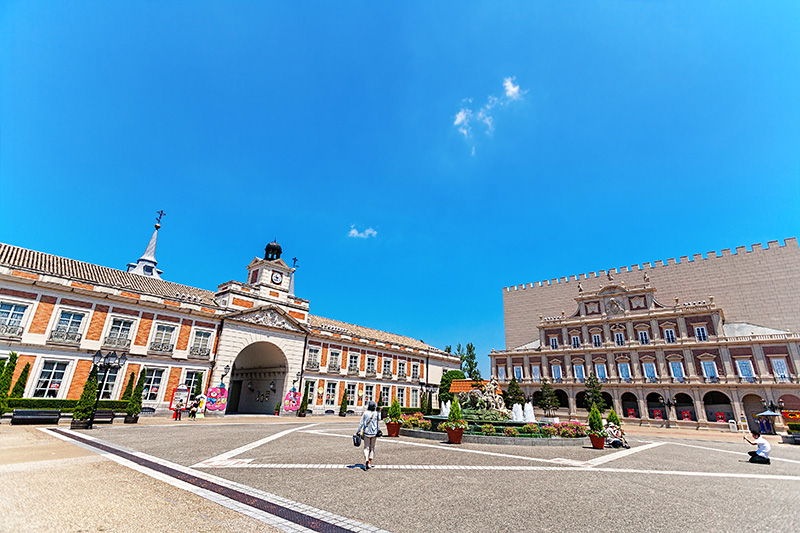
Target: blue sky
[[472, 145]]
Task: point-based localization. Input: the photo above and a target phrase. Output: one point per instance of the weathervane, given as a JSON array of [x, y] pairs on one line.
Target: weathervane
[[294, 262], [160, 214]]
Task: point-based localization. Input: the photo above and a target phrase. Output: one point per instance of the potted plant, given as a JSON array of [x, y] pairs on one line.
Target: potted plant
[[134, 406], [343, 407], [278, 408], [394, 420], [303, 403], [596, 432], [455, 425], [81, 416]]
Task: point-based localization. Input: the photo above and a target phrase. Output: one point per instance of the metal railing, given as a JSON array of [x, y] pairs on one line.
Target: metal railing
[[199, 352], [711, 379], [387, 374], [651, 380], [164, 347], [117, 342], [352, 370], [371, 373], [749, 379], [65, 336], [401, 375], [312, 365], [10, 331], [334, 367]]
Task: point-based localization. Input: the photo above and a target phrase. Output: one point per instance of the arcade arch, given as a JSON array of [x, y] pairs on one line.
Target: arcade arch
[[258, 379]]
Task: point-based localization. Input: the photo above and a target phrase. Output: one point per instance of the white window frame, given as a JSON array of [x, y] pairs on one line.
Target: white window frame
[[121, 318], [387, 362], [576, 341], [597, 368], [202, 331], [313, 355], [351, 396], [713, 364], [536, 373], [651, 364], [401, 368], [415, 371], [644, 336], [627, 368], [331, 398], [23, 319], [669, 336], [597, 340], [518, 372], [700, 333], [414, 398], [554, 343], [371, 363], [401, 396], [619, 338], [63, 387], [672, 369], [582, 372], [386, 397], [185, 376], [556, 372], [172, 336], [112, 391], [749, 364], [501, 373], [783, 376], [85, 313], [335, 355], [369, 392], [161, 385], [350, 357], [311, 388]]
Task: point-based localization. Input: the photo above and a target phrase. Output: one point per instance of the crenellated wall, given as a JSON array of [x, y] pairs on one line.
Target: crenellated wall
[[760, 286]]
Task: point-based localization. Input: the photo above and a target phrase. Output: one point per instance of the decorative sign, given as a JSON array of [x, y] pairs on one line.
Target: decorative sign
[[657, 414], [292, 400], [686, 415], [55, 385], [201, 405], [631, 413], [720, 417], [791, 414], [217, 398], [179, 395]]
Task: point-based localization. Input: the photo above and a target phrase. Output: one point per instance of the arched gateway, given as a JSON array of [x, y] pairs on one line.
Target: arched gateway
[[258, 379]]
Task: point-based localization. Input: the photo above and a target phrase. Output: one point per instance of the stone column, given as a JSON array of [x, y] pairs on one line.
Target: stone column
[[615, 399], [567, 369], [573, 407], [526, 368], [642, 399], [636, 368], [727, 362], [761, 362], [688, 360], [564, 336], [682, 331], [699, 407], [545, 367], [661, 364], [611, 366], [654, 329]]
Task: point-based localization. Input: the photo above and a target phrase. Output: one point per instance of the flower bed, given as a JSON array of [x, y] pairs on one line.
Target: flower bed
[[510, 436]]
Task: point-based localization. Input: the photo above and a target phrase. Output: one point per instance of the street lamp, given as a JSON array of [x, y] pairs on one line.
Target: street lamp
[[105, 363], [772, 406]]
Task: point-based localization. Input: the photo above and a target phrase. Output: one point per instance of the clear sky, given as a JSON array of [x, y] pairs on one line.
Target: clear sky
[[416, 157]]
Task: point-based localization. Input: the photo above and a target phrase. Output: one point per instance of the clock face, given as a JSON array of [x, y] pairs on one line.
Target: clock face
[[277, 278]]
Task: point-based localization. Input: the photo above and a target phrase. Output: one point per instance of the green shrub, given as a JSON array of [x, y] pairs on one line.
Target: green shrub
[[343, 407], [19, 387], [595, 422], [198, 386], [511, 432], [794, 427], [66, 406], [530, 429], [129, 387], [549, 431], [425, 424], [444, 386], [134, 406], [5, 381], [304, 401], [612, 418], [88, 397], [514, 394], [395, 414], [488, 429]]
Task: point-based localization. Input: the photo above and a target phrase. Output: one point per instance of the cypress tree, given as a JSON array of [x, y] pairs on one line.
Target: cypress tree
[[129, 387], [548, 401], [5, 381], [593, 394], [613, 418], [423, 405], [19, 387], [595, 421], [88, 397], [455, 412], [198, 386], [514, 394], [304, 401], [343, 408], [135, 402]]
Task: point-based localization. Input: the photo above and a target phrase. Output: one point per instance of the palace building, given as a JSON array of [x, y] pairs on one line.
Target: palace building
[[256, 337], [697, 342]]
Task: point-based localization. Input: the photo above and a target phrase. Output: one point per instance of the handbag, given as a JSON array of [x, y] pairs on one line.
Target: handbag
[[379, 433], [357, 440]]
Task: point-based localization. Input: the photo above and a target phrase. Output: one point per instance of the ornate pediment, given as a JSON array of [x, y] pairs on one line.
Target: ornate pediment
[[271, 317]]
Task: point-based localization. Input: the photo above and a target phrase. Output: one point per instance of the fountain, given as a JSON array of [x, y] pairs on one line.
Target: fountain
[[516, 413], [445, 410], [529, 416]]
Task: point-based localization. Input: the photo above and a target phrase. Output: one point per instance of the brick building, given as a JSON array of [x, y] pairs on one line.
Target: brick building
[[697, 342], [57, 312]]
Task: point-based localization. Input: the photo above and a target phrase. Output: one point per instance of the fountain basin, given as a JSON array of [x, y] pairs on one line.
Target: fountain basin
[[496, 439]]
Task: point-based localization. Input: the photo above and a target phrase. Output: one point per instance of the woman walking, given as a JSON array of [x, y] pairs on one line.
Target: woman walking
[[369, 425]]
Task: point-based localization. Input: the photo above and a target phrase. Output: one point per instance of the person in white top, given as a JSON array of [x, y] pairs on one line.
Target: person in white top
[[761, 455]]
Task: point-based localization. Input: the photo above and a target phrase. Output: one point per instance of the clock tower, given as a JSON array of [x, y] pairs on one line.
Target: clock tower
[[271, 274]]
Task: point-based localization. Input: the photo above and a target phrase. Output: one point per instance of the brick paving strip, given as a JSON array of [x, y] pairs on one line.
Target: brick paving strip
[[286, 515]]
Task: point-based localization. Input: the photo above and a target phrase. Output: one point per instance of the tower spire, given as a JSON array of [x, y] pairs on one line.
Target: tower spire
[[146, 265]]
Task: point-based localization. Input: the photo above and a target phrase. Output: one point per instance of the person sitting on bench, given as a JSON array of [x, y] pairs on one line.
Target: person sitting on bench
[[761, 455]]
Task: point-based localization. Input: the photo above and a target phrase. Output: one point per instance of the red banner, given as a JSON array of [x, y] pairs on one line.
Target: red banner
[[720, 417], [791, 414], [686, 415], [631, 413], [657, 414]]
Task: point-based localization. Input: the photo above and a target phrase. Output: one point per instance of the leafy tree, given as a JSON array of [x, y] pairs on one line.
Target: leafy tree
[[595, 421], [423, 404], [343, 408], [380, 398], [469, 363], [5, 381], [304, 401], [514, 394], [444, 386], [593, 394], [135, 402], [612, 418], [548, 400], [129, 387], [88, 397], [198, 386], [19, 387]]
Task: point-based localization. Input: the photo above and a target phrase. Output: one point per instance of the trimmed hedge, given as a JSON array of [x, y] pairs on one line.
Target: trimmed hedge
[[794, 427], [66, 406], [406, 411]]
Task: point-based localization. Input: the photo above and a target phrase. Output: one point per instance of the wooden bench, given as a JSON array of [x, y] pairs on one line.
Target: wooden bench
[[104, 416], [35, 416]]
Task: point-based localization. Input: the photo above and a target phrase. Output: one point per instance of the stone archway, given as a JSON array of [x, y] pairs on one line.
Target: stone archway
[[655, 406], [630, 405], [718, 407], [563, 399], [684, 407], [258, 379]]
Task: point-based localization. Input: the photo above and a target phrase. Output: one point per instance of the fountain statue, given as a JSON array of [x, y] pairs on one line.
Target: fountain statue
[[529, 416], [489, 397]]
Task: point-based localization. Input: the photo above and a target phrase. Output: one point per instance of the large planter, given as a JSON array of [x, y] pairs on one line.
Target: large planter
[[80, 424], [454, 435], [131, 419], [393, 429], [598, 443]]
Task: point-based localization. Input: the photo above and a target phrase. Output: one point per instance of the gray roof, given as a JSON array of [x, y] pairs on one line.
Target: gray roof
[[337, 326], [743, 329]]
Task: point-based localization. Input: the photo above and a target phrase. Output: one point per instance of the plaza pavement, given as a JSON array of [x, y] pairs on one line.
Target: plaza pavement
[[671, 479]]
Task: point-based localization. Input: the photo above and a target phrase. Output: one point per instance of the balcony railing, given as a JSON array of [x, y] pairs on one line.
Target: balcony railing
[[164, 347], [748, 379], [8, 330], [679, 380], [651, 379], [602, 380], [334, 367], [65, 336], [401, 375], [558, 380], [387, 374], [783, 379], [371, 373], [312, 365], [352, 370], [197, 351], [117, 342], [624, 380], [711, 379]]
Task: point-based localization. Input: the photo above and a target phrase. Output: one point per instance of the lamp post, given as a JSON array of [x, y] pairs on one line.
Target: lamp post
[[772, 406], [105, 363]]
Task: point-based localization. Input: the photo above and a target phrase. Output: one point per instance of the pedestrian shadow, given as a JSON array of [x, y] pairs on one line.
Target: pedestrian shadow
[[359, 466]]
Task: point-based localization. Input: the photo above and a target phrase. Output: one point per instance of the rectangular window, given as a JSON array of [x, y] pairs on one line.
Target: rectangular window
[[152, 384], [401, 396], [414, 398], [351, 394], [669, 336], [536, 373], [162, 342], [644, 336], [518, 373], [501, 373], [120, 329], [313, 357], [415, 371], [650, 372], [371, 364], [745, 370], [50, 379], [600, 371], [556, 370], [68, 327], [676, 367], [369, 393], [597, 340], [387, 367], [330, 394], [619, 338], [11, 318], [554, 343], [311, 388], [401, 369], [780, 370], [353, 362], [334, 359], [202, 342], [709, 369], [580, 375], [625, 372], [576, 341], [108, 387], [191, 380], [385, 395], [700, 333]]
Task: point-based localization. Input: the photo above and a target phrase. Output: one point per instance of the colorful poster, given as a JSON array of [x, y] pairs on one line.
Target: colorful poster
[[720, 417], [631, 413], [791, 414], [686, 415], [180, 394], [292, 400], [201, 406], [217, 399], [657, 414]]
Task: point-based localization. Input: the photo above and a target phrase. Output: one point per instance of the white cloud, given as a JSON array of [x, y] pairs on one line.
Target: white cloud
[[369, 232], [465, 117]]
